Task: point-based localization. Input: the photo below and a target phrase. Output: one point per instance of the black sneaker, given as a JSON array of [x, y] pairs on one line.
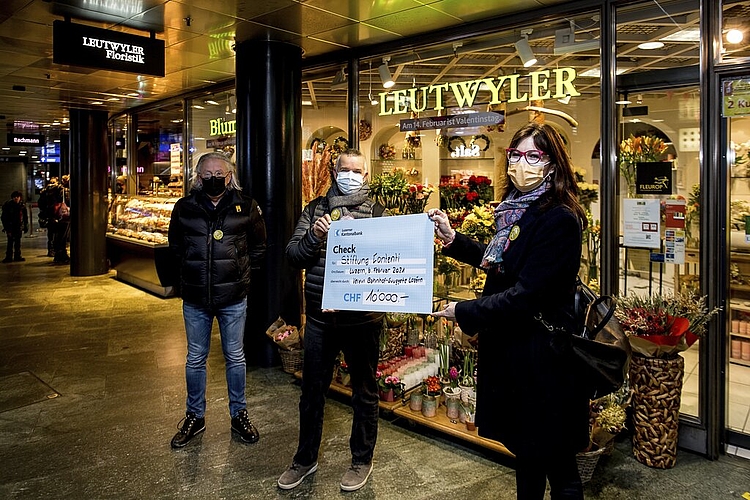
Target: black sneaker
[[7, 260], [241, 425], [191, 426], [19, 259]]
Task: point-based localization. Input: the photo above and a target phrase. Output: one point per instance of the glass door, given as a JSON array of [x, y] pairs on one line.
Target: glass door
[[738, 381]]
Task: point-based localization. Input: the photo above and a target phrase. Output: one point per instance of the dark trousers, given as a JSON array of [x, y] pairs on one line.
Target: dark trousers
[[561, 469], [60, 239], [360, 344], [14, 246]]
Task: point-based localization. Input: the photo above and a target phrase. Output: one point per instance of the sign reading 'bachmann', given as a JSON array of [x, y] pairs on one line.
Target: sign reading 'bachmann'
[[80, 45]]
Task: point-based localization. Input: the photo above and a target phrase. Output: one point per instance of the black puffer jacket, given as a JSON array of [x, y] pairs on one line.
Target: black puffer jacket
[[216, 248], [306, 251]]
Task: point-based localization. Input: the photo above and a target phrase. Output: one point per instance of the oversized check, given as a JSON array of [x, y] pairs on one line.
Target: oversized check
[[380, 264]]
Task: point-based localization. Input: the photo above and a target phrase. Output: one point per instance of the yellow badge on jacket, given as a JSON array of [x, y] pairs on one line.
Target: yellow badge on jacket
[[238, 208], [336, 214], [218, 234], [514, 232]]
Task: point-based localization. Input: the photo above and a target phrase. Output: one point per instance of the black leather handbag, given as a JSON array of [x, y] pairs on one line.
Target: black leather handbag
[[600, 348]]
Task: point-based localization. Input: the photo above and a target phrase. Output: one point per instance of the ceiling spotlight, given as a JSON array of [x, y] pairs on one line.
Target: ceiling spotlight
[[734, 36], [339, 81], [639, 99], [651, 45], [564, 100], [624, 101], [524, 50], [373, 101], [385, 74]]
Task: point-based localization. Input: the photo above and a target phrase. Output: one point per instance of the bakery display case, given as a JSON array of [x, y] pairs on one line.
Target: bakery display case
[[137, 243]]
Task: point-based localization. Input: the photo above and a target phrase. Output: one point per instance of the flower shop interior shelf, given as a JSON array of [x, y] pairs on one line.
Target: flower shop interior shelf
[[452, 427], [739, 308]]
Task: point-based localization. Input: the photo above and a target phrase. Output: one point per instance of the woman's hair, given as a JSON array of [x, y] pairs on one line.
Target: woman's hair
[[564, 188], [198, 181]]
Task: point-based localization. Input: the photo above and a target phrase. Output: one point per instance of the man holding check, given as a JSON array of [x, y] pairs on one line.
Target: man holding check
[[327, 332]]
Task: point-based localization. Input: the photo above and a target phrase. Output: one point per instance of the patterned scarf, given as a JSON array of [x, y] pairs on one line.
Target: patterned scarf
[[507, 213]]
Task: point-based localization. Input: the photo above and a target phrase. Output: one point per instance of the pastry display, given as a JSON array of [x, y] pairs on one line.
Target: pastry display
[[141, 218]]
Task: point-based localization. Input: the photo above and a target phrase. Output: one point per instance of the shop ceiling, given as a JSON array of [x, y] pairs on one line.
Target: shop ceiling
[[199, 36]]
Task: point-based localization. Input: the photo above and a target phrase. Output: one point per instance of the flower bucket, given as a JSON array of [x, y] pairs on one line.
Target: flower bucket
[[657, 388], [387, 396], [452, 407], [467, 391], [429, 406], [415, 401]]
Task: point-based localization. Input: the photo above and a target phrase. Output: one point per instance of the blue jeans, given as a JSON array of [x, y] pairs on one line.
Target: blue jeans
[[198, 323], [360, 344]]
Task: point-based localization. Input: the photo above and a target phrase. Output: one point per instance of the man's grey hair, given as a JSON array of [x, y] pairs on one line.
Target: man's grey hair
[[352, 153], [229, 164]]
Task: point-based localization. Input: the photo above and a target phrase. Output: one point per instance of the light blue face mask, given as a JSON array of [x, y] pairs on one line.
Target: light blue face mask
[[349, 182]]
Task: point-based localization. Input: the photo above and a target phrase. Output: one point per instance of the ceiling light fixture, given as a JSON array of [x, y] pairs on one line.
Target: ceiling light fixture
[[624, 101], [373, 101], [734, 36], [564, 100], [211, 102], [651, 45], [385, 74], [639, 99], [524, 49]]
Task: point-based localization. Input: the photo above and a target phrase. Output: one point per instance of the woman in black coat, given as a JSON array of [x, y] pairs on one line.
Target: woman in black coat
[[527, 395]]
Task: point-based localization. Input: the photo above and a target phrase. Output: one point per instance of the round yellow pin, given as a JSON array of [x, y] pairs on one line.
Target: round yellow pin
[[218, 234], [336, 214], [514, 232]]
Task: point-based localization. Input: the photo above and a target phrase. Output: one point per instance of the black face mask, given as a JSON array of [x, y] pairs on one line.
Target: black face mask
[[214, 186]]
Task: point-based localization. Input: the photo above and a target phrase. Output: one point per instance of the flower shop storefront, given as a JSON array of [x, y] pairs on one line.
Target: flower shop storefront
[[644, 235]]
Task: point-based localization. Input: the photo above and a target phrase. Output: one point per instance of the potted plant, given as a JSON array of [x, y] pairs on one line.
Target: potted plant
[[470, 410], [659, 328], [431, 389], [466, 382], [389, 386]]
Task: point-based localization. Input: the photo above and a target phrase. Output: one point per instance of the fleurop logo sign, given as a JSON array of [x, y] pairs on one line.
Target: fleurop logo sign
[[80, 45]]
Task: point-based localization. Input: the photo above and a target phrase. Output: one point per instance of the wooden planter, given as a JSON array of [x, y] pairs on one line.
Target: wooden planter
[[657, 387]]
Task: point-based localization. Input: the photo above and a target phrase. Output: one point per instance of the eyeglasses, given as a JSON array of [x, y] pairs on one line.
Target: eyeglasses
[[219, 175], [533, 156]]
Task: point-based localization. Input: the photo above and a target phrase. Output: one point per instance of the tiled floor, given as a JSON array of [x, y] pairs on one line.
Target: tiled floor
[[115, 355]]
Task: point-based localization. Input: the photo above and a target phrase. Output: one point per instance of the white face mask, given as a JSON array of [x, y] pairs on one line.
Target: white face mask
[[349, 182], [526, 177]]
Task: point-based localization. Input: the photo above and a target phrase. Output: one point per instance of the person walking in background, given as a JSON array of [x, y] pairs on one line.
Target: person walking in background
[[531, 264], [217, 235], [54, 214], [46, 206], [329, 332], [15, 223]]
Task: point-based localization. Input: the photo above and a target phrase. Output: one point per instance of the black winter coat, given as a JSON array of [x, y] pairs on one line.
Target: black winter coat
[[527, 396], [306, 251], [15, 218], [216, 248]]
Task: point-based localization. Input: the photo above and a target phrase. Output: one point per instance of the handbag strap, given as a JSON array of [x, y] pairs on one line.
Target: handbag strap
[[611, 304]]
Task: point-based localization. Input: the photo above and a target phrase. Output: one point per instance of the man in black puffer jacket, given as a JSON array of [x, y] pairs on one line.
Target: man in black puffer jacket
[[327, 332], [217, 235]]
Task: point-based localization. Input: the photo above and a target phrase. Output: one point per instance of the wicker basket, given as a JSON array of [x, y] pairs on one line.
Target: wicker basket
[[291, 360], [587, 461]]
